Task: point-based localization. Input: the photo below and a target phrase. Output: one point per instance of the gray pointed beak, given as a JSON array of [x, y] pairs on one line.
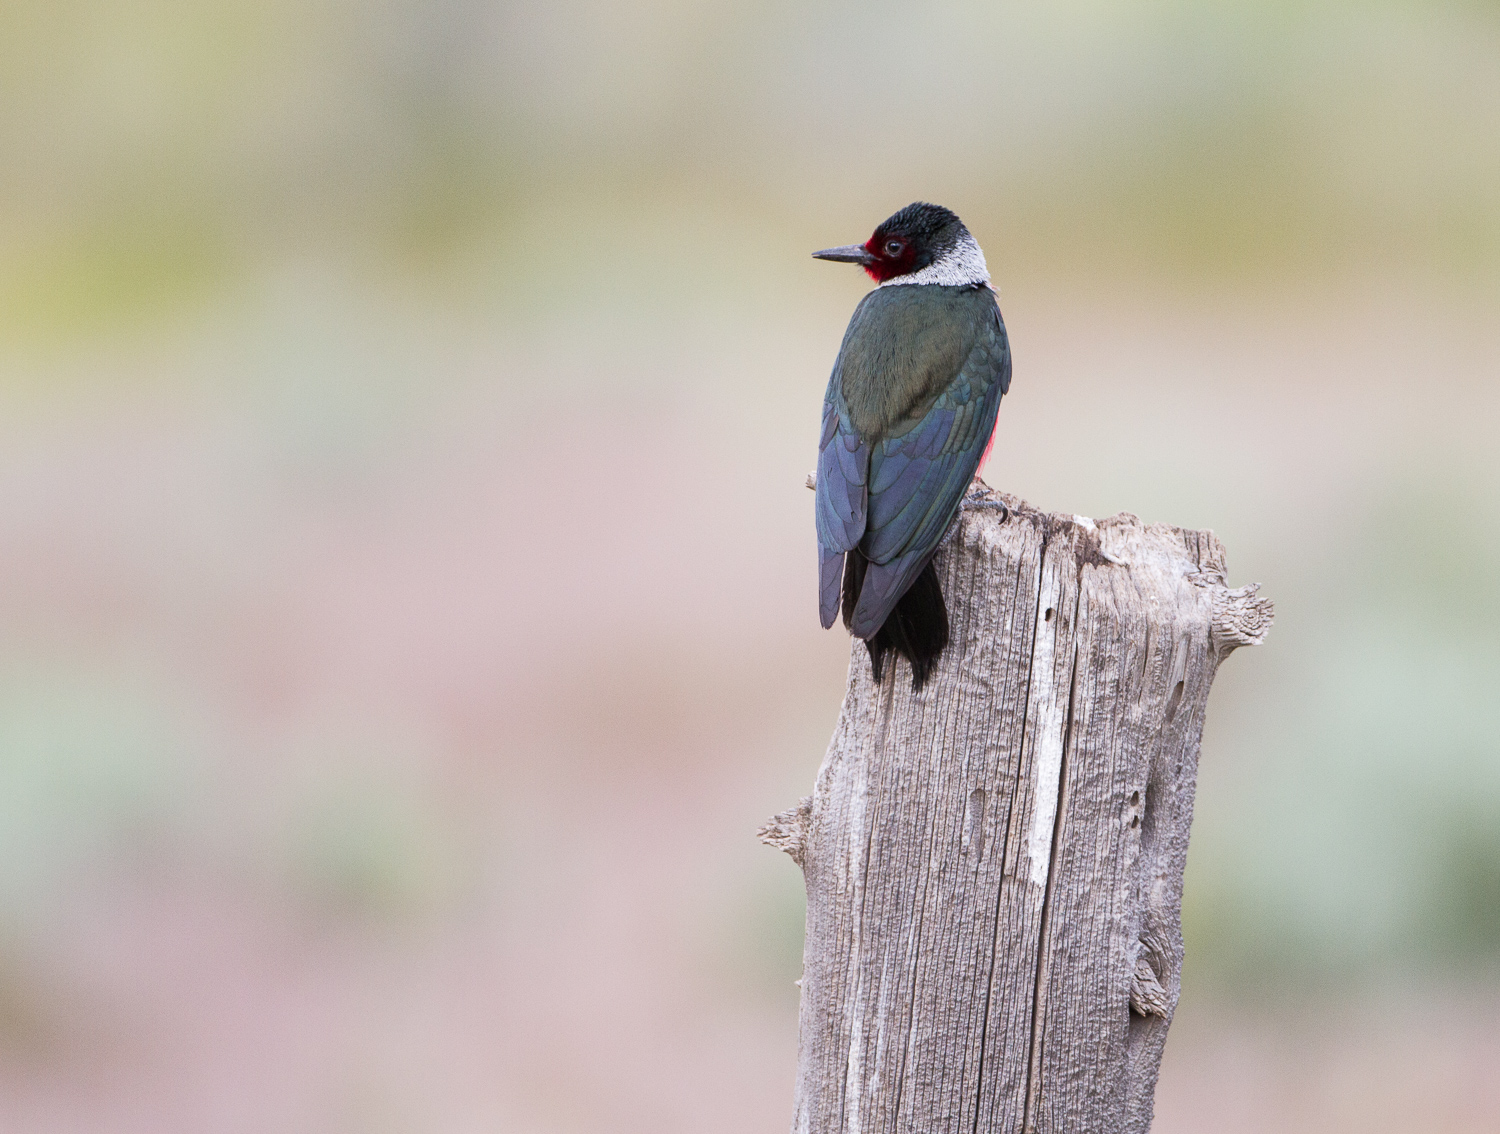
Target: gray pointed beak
[[848, 254]]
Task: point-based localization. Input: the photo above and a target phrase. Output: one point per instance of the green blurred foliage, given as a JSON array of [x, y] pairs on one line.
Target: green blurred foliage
[[158, 150], [1361, 836], [93, 771], [366, 847]]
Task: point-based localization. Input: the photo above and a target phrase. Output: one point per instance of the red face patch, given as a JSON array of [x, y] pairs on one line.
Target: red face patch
[[894, 256]]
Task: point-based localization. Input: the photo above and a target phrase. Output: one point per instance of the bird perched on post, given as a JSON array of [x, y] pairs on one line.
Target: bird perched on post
[[909, 414]]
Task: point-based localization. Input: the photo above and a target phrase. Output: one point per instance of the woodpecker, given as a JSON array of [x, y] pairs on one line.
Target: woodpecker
[[908, 416]]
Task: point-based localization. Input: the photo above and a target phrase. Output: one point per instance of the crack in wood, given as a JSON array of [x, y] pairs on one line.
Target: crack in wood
[[1039, 993]]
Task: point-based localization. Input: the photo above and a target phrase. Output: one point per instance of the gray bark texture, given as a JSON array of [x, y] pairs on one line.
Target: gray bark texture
[[994, 865]]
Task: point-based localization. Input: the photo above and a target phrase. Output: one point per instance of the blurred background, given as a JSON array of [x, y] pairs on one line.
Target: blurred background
[[406, 574]]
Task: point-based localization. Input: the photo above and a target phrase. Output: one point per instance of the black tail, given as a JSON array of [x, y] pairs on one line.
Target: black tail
[[917, 629]]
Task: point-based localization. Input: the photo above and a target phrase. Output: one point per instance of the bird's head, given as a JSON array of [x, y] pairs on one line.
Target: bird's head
[[920, 244]]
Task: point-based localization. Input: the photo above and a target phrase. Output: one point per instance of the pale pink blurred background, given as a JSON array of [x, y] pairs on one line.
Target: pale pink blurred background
[[406, 609]]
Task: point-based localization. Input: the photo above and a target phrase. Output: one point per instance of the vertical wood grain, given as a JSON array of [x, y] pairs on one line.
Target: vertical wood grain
[[994, 866]]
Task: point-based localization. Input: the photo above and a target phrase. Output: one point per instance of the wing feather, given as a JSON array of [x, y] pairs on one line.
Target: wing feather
[[842, 495], [917, 480]]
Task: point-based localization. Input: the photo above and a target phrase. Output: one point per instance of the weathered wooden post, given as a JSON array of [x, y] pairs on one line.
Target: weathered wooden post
[[994, 865]]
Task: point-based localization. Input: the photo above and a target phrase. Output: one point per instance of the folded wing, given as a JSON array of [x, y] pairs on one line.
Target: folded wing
[[916, 479]]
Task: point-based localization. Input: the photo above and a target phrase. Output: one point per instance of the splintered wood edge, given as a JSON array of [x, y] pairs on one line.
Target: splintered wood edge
[[1240, 616], [787, 830], [1147, 996]]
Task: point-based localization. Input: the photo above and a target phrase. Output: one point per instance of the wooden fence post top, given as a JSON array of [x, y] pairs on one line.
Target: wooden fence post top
[[994, 865]]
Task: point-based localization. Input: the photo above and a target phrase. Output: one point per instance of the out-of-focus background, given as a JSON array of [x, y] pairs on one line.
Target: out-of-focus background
[[406, 575]]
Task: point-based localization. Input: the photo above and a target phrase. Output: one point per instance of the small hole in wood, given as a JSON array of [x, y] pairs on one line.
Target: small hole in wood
[[1135, 821], [1135, 797], [1048, 616]]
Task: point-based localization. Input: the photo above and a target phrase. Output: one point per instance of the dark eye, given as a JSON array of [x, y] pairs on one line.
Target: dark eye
[[893, 247]]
